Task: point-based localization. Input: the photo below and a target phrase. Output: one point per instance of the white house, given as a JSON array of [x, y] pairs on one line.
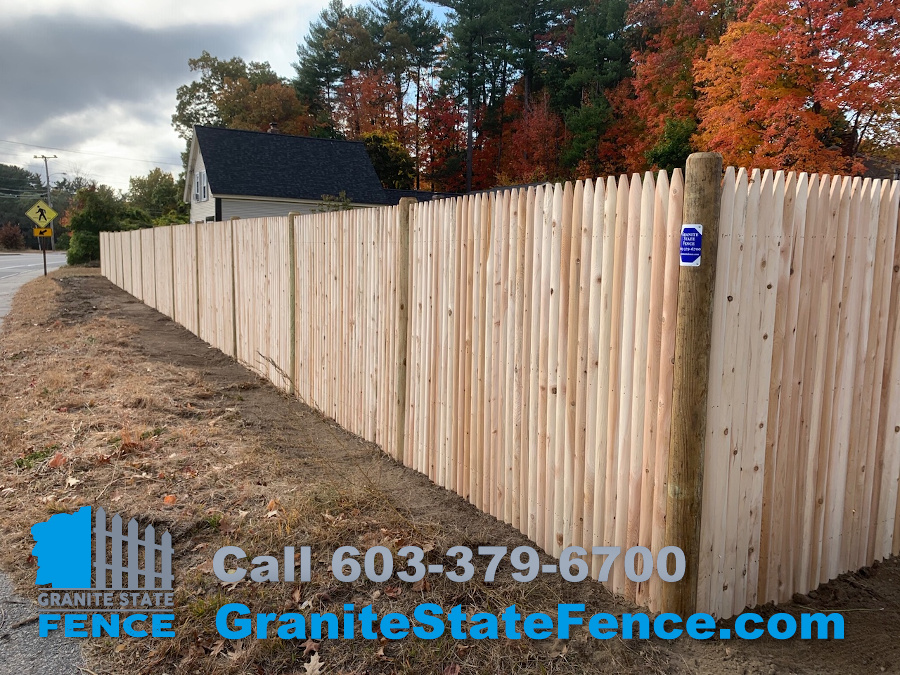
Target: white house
[[251, 174]]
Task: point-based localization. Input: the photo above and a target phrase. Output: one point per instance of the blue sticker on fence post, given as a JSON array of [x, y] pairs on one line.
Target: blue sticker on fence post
[[691, 241]]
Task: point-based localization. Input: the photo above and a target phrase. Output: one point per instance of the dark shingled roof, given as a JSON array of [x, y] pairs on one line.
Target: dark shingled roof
[[257, 164]]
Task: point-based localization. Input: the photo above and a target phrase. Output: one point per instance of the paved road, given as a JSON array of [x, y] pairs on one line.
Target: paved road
[[17, 268], [22, 652]]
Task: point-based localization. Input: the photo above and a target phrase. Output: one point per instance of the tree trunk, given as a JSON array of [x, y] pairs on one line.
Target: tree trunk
[[416, 130], [502, 118]]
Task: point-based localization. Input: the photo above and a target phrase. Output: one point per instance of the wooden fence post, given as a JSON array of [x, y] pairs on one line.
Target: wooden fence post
[[292, 260], [403, 294], [693, 324]]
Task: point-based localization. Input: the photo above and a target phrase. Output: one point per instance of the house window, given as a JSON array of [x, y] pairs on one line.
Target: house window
[[201, 187]]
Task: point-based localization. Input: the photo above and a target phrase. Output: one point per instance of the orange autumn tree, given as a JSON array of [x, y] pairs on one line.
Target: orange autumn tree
[[365, 104], [671, 37], [800, 84]]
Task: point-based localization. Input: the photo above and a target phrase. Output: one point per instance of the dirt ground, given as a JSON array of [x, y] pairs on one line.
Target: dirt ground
[[106, 402]]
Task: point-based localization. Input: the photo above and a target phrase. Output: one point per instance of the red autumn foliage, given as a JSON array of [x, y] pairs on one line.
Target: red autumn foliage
[[364, 104], [443, 143], [797, 86]]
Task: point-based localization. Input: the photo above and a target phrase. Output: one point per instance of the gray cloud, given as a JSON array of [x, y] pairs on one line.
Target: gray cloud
[[64, 65]]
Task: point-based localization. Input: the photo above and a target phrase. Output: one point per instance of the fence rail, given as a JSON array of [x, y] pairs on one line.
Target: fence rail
[[517, 347]]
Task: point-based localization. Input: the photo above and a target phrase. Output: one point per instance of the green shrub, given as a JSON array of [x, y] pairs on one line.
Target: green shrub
[[84, 247]]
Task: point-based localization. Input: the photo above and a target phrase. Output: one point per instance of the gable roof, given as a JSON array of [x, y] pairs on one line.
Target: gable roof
[[258, 164]]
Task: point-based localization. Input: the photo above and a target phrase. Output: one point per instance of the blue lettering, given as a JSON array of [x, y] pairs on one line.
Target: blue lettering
[[262, 625], [74, 625], [484, 625], [822, 622], [367, 619], [603, 626], [538, 626], [510, 618], [659, 626], [394, 626], [127, 625], [566, 620], [294, 626], [628, 621], [241, 625], [161, 625], [421, 614], [45, 625], [457, 616], [740, 626], [790, 626], [699, 626], [315, 626], [99, 622]]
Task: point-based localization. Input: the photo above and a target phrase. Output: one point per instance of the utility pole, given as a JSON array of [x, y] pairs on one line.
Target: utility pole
[[49, 203]]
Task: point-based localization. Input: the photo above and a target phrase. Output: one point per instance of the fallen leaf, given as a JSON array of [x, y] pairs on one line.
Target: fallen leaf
[[452, 669], [272, 514], [315, 666], [217, 648], [57, 461], [296, 594], [238, 648], [422, 585], [119, 649], [392, 591], [205, 567], [309, 646], [71, 481], [272, 505], [560, 649], [170, 499]]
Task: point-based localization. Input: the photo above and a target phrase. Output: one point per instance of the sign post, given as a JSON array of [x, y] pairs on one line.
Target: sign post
[[42, 215]]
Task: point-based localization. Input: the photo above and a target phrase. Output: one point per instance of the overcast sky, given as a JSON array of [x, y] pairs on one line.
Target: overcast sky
[[93, 81]]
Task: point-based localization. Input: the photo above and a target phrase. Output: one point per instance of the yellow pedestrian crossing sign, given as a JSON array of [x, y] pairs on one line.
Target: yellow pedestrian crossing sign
[[41, 213]]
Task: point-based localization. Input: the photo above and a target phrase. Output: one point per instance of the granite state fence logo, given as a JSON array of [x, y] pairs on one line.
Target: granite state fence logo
[[103, 580]]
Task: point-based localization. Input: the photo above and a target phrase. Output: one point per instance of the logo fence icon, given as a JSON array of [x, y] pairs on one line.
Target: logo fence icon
[[121, 560], [135, 545]]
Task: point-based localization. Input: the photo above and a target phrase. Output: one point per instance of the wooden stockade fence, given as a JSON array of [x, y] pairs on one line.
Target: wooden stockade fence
[[518, 348]]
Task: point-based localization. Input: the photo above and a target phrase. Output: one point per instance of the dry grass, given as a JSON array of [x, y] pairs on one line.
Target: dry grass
[[88, 415]]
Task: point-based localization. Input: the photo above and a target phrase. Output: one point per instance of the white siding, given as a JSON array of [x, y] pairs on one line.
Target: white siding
[[200, 210], [261, 208]]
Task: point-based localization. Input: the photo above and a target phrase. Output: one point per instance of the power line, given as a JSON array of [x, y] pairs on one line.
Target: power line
[[95, 154]]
